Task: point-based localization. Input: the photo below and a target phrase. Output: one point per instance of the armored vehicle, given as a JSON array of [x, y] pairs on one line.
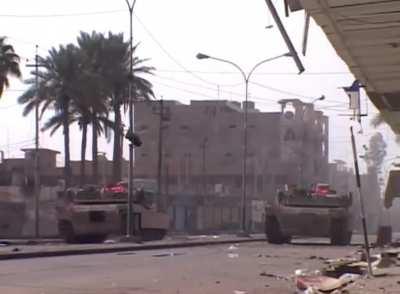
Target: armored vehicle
[[92, 213], [309, 213]]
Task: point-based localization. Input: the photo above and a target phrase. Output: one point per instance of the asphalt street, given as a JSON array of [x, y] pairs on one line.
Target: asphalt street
[[243, 268]]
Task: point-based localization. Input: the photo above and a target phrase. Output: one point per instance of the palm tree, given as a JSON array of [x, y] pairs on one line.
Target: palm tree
[[9, 64], [115, 71], [95, 93], [57, 88]]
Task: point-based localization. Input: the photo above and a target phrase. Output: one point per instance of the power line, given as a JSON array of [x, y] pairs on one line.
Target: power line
[[75, 14], [176, 61], [18, 143], [201, 94], [281, 91], [255, 74]]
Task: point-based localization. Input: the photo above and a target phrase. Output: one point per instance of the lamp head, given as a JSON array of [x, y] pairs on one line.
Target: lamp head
[[202, 56]]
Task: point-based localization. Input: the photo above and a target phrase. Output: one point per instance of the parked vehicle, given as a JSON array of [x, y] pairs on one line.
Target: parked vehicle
[[299, 212]]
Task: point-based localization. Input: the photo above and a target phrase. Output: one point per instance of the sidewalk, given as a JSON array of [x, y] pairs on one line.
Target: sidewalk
[[47, 249]]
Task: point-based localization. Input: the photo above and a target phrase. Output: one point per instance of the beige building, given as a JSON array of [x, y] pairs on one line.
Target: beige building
[[202, 146]]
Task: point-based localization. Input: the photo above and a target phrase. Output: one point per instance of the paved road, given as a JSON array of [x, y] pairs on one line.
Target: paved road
[[213, 269]]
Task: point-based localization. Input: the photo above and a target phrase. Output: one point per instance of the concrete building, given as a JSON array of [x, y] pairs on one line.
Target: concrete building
[[202, 149], [20, 171]]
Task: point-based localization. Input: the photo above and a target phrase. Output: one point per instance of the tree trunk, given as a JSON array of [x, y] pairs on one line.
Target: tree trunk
[[117, 152], [67, 168], [83, 154], [95, 171]]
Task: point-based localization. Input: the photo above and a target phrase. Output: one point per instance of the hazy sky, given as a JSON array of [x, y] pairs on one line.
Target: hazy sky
[[171, 33]]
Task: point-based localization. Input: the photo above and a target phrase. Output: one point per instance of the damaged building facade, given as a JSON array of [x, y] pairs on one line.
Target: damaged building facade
[[202, 153]]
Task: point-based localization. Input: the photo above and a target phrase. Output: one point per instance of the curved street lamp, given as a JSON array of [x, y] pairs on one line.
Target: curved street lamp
[[318, 99], [246, 78]]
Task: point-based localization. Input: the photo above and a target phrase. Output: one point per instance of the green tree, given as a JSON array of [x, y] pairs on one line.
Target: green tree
[[9, 64], [117, 75], [57, 89]]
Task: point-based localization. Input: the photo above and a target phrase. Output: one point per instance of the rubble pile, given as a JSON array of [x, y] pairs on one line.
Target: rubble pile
[[338, 274]]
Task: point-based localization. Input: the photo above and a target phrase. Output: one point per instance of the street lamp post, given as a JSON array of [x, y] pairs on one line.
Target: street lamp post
[[246, 78], [129, 218], [318, 99]]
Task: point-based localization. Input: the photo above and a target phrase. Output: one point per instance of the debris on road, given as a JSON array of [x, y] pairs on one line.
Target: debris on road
[[278, 277], [339, 273], [233, 248], [168, 254], [233, 255], [126, 253]]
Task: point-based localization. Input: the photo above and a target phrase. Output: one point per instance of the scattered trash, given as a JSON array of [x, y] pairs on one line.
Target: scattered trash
[[233, 255], [384, 260], [349, 278], [126, 253], [110, 242], [278, 277], [232, 248], [167, 254], [316, 257], [317, 283]]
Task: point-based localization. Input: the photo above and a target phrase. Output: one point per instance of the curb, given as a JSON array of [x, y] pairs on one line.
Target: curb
[[85, 251]]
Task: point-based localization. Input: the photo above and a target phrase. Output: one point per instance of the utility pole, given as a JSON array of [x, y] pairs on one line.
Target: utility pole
[[363, 219], [36, 159], [160, 203], [130, 220], [203, 146]]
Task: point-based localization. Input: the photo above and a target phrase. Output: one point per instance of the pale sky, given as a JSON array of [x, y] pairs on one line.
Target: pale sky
[[171, 33]]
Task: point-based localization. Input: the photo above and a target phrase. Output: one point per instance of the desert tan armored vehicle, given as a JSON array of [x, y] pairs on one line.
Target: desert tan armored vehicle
[[317, 213], [91, 214]]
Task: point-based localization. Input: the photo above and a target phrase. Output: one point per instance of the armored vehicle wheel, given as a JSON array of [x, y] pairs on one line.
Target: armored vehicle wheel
[[340, 235], [153, 234], [66, 231], [273, 231]]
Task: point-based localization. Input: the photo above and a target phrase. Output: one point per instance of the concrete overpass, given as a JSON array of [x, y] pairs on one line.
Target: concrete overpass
[[366, 35]]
